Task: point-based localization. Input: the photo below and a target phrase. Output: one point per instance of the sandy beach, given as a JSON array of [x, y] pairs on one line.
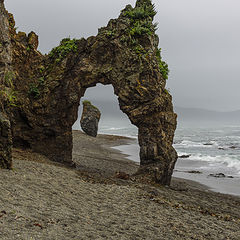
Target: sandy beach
[[45, 200]]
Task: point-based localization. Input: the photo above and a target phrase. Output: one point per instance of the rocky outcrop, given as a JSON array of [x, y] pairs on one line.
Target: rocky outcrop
[[90, 119], [6, 89], [5, 58], [5, 143], [5, 42], [124, 54]]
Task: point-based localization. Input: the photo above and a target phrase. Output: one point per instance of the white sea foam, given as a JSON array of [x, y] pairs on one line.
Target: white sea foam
[[187, 143], [224, 160], [202, 146], [113, 128]]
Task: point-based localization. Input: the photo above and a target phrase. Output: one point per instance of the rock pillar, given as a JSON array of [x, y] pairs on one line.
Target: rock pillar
[[90, 118]]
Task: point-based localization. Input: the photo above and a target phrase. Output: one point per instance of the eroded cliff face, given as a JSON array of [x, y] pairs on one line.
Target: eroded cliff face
[[5, 143], [125, 54], [5, 55], [5, 90]]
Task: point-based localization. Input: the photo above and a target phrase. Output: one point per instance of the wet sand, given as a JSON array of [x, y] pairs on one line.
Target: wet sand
[[45, 200]]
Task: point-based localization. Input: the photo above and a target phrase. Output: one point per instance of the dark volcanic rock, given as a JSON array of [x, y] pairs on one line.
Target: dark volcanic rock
[[90, 118], [5, 43], [194, 172], [122, 175], [5, 58], [185, 156], [124, 54], [219, 175], [208, 144], [6, 93], [5, 143]]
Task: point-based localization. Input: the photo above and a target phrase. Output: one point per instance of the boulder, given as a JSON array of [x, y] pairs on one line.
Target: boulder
[[5, 143], [185, 156], [90, 118], [219, 175]]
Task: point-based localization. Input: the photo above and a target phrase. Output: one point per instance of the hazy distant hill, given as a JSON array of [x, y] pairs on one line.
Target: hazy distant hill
[[196, 115]]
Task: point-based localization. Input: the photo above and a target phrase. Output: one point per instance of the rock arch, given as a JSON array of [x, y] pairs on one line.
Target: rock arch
[[124, 54]]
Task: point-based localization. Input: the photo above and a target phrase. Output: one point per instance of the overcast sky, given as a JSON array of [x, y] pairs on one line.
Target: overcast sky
[[200, 40]]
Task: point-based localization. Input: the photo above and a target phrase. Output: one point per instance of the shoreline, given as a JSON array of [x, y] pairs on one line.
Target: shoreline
[[194, 170], [42, 200], [185, 169]]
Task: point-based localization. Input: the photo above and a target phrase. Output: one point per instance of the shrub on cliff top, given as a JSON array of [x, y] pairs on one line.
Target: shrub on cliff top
[[66, 46], [141, 19], [87, 102], [141, 12]]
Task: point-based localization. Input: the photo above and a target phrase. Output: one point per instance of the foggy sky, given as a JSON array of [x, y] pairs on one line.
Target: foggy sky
[[199, 39]]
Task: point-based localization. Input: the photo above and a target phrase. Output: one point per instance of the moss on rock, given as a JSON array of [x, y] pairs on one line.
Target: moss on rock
[[66, 46]]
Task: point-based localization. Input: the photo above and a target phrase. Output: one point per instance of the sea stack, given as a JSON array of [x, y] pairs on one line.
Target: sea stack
[[90, 119]]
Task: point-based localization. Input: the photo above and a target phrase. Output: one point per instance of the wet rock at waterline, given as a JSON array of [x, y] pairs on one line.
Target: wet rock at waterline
[[185, 156], [219, 175], [90, 119], [194, 172]]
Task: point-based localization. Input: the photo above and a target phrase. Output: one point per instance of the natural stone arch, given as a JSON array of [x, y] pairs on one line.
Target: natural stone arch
[[124, 54]]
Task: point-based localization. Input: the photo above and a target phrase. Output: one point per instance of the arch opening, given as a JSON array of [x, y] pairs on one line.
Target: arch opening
[[113, 121]]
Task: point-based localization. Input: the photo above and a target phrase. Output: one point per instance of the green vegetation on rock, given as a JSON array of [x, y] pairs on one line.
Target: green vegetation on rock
[[162, 65], [167, 90], [35, 88], [140, 27], [7, 93], [87, 102], [29, 48], [34, 91], [110, 34], [141, 12], [141, 20], [66, 46]]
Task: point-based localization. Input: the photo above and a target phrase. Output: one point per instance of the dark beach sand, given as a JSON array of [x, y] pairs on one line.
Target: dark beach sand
[[45, 200]]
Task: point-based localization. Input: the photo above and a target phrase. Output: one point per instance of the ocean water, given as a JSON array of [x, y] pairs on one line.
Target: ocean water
[[217, 148], [211, 149]]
